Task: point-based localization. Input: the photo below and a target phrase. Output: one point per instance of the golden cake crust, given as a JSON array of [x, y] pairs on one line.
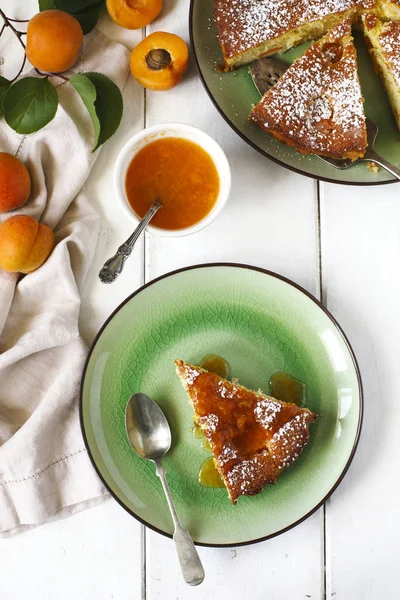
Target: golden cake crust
[[253, 437], [389, 9], [248, 29], [317, 104], [383, 42]]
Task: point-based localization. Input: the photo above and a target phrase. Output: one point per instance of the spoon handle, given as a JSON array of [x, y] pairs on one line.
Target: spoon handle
[[114, 266], [189, 560], [382, 162]]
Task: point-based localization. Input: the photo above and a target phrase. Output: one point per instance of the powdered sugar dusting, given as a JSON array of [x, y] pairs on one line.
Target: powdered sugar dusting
[[244, 474], [318, 101], [266, 411], [228, 454], [244, 24], [390, 42], [226, 391], [288, 442], [210, 422], [191, 374]]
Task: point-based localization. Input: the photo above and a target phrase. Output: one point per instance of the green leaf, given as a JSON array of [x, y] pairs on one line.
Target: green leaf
[[29, 104], [73, 6], [88, 18], [106, 105], [87, 12], [109, 106], [87, 92], [4, 85], [46, 5]]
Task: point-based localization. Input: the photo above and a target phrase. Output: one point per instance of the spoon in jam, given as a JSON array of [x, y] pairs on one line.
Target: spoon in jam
[[150, 437], [114, 266]]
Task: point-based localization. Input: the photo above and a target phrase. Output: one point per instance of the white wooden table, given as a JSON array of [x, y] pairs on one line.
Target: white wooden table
[[340, 243]]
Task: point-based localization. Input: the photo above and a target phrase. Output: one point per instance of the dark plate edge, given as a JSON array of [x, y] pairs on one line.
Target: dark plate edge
[[329, 315], [252, 144]]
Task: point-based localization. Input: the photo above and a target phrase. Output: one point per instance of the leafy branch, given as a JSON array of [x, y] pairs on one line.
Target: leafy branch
[[18, 34], [30, 103]]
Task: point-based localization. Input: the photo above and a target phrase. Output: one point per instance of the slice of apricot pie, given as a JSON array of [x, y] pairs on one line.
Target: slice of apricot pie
[[383, 42], [253, 437], [317, 105]]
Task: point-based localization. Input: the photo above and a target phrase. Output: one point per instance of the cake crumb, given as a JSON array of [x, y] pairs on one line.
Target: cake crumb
[[373, 167]]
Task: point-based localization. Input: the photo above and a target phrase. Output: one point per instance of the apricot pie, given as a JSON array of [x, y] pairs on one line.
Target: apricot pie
[[317, 106], [389, 9], [253, 437], [383, 41], [249, 29]]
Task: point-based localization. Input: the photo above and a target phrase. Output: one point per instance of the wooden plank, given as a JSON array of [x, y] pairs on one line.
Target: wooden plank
[[94, 554], [284, 568], [270, 221], [99, 300], [360, 277]]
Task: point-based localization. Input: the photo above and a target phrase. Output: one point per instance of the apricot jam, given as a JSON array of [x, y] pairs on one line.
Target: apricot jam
[[215, 364], [287, 388], [209, 476], [197, 432], [180, 174]]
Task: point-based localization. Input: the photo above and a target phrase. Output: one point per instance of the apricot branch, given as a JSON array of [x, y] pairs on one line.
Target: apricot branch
[[20, 70], [18, 21], [7, 23], [39, 72], [53, 42]]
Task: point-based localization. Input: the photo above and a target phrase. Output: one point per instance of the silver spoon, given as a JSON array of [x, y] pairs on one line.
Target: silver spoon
[[150, 436], [265, 72], [114, 266]]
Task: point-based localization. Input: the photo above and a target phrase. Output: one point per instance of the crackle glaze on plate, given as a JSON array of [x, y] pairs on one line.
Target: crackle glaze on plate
[[259, 322], [234, 95]]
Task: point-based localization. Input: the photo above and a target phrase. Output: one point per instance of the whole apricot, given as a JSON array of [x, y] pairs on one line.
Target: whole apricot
[[15, 182], [133, 14], [159, 61], [53, 41], [25, 244]]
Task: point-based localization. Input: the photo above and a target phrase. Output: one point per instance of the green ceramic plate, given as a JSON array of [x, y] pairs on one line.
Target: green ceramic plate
[[261, 323], [234, 95]]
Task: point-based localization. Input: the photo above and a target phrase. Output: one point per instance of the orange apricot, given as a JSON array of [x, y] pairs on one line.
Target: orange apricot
[[15, 182], [53, 41], [25, 244], [133, 14], [159, 61]]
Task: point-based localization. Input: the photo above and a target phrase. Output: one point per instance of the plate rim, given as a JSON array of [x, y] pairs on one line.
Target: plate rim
[[276, 276], [250, 142]]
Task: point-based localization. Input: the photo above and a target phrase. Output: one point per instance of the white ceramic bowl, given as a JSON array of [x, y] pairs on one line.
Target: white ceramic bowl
[[178, 130]]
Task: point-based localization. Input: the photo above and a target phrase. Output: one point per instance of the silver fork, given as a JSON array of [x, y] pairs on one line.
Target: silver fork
[[265, 72]]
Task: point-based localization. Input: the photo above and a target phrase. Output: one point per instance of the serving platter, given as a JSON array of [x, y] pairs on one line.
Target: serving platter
[[234, 95], [260, 323]]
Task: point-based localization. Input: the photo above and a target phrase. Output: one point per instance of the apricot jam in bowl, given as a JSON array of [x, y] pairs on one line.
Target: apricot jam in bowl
[[179, 165]]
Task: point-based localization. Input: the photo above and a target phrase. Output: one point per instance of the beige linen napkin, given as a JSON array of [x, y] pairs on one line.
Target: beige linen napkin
[[45, 472]]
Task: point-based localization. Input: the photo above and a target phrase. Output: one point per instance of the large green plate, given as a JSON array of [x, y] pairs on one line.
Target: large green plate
[[234, 95], [261, 323]]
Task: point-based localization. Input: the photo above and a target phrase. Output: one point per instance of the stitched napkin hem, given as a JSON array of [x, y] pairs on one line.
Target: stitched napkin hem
[[58, 482]]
